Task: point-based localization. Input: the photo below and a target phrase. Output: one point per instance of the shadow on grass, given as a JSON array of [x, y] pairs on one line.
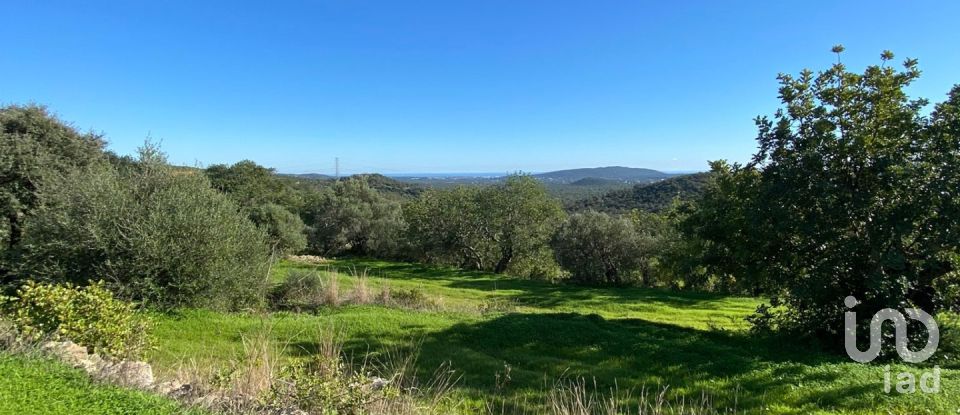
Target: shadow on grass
[[533, 293], [627, 354]]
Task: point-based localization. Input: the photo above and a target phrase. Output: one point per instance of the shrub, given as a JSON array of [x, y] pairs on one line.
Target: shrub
[[285, 231], [90, 316], [301, 290], [412, 298], [160, 235], [948, 353], [501, 228], [599, 248], [353, 217]]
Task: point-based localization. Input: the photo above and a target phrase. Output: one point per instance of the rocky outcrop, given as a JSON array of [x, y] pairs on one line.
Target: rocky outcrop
[[127, 373]]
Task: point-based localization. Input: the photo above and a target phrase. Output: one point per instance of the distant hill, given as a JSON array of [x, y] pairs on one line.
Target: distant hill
[[652, 197], [390, 186], [311, 176], [593, 181], [616, 173]]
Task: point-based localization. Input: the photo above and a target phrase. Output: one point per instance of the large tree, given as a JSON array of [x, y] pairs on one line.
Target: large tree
[[852, 192], [447, 226], [350, 216], [493, 228], [520, 218]]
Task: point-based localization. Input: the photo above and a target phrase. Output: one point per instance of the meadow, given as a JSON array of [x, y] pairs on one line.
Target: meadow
[[511, 341], [42, 387]]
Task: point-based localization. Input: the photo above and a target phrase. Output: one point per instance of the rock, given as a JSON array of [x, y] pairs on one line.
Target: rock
[[174, 389], [68, 352], [126, 373], [9, 338], [378, 383]]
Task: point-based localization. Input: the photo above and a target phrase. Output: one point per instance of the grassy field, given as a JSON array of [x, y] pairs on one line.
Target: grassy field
[[44, 387], [628, 339]]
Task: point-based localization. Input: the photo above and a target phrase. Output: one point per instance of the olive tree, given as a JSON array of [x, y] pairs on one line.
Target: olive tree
[[156, 235], [598, 248], [285, 231], [501, 227], [446, 226], [350, 216]]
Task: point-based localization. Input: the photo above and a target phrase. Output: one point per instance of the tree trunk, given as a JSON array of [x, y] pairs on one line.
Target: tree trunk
[[505, 258], [16, 230]]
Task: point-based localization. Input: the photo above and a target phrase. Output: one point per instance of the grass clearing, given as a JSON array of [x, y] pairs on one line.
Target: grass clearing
[[39, 386], [624, 338]]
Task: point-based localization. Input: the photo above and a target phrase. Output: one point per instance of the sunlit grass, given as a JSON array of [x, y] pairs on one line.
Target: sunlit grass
[[627, 338]]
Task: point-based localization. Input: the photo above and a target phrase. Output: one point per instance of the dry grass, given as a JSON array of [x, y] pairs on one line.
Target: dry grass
[[307, 259], [580, 397], [361, 293], [331, 290]]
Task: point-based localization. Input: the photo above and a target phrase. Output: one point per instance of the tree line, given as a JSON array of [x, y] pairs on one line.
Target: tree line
[[853, 191]]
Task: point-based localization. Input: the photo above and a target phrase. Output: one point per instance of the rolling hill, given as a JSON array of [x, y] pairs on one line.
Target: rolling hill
[[652, 197], [615, 173]]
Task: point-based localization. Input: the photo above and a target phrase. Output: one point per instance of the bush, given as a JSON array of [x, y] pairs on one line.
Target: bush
[[89, 316], [285, 231], [352, 217], [160, 235], [948, 354], [301, 290], [598, 248], [504, 227]]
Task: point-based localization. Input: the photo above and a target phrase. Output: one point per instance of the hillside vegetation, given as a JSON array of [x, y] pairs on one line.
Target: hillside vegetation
[[615, 173], [729, 290], [654, 197]]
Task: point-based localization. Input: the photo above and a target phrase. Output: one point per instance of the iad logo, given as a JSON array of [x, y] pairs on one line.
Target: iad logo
[[906, 382]]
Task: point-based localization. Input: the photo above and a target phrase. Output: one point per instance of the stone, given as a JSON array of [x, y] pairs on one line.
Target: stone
[[174, 389], [67, 351], [126, 373]]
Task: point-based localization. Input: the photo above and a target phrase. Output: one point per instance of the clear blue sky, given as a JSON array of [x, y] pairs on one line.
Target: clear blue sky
[[447, 86]]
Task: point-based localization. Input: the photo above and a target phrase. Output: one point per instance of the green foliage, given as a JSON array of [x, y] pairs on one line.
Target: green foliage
[[352, 217], [853, 192], [270, 200], [252, 185], [652, 197], [520, 217], [35, 148], [90, 316], [30, 386], [445, 226], [501, 227], [597, 248], [285, 231], [624, 337], [301, 290], [156, 234]]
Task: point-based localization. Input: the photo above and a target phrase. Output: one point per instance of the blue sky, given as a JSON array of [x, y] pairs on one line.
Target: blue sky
[[447, 86]]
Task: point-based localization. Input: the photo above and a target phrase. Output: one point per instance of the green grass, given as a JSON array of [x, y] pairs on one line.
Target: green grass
[[38, 386], [627, 338]]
